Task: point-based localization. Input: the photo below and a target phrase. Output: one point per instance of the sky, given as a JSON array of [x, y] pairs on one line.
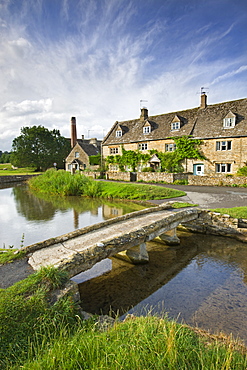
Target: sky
[[102, 60]]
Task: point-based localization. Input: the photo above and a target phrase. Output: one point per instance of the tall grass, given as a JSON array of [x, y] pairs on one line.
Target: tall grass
[[137, 344], [63, 183]]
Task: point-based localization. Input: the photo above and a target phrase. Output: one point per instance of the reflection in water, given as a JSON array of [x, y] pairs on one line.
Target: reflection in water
[[40, 217], [201, 282]]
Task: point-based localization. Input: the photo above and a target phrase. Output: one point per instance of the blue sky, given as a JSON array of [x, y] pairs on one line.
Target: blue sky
[[96, 59]]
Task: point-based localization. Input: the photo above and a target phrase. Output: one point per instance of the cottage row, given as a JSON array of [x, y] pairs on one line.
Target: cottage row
[[221, 127]]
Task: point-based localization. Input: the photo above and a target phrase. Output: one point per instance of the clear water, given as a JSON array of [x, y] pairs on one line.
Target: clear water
[[202, 282], [23, 214]]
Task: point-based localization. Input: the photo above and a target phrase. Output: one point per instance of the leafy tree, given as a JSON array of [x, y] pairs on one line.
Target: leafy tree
[[39, 148], [4, 157], [95, 159]]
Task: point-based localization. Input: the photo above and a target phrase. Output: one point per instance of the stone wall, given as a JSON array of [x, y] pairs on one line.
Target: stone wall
[[118, 176], [14, 178], [217, 180], [161, 177]]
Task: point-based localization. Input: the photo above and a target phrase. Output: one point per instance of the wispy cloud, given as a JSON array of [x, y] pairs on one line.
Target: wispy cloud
[[97, 59]]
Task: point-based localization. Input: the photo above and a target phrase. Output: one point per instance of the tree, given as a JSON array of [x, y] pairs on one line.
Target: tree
[[39, 148], [4, 157]]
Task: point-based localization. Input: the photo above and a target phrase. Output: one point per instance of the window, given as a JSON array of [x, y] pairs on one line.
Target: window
[[146, 129], [229, 122], [223, 145], [143, 146], [76, 154], [113, 150], [223, 167], [170, 147], [175, 126], [118, 133]]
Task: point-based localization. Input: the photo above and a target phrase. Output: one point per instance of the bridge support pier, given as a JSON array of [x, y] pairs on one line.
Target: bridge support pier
[[170, 237], [136, 255]]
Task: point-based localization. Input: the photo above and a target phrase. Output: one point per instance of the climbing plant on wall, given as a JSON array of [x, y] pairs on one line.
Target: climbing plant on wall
[[130, 158], [186, 148]]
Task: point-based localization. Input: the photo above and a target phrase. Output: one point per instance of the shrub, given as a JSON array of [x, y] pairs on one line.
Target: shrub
[[242, 171]]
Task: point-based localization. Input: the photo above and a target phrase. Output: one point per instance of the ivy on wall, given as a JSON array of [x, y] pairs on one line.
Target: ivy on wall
[[186, 148]]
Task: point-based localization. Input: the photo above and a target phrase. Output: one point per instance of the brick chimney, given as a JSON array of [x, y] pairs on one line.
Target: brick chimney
[[203, 100], [144, 114], [73, 132]]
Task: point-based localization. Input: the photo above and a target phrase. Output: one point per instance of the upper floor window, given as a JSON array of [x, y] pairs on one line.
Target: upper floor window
[[223, 167], [146, 129], [170, 147], [175, 126], [229, 122], [77, 154], [118, 133], [143, 146], [223, 145], [113, 150]]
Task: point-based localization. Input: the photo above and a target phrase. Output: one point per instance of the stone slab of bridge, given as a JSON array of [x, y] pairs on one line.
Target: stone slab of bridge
[[81, 249]]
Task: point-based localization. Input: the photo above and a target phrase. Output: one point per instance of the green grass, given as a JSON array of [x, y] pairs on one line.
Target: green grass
[[37, 335], [236, 212], [7, 170], [137, 344], [63, 183], [137, 191], [183, 205], [8, 255]]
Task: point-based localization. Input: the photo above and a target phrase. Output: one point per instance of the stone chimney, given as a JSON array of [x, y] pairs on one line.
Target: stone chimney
[[144, 114], [73, 132], [203, 100]]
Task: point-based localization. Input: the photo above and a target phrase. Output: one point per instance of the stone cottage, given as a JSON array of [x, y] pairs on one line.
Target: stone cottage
[[221, 127], [82, 149]]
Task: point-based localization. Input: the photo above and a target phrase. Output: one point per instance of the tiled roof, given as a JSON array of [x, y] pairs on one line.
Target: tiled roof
[[199, 122], [89, 149]]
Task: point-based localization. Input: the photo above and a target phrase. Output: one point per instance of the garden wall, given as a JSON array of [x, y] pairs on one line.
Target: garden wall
[[161, 177], [217, 180]]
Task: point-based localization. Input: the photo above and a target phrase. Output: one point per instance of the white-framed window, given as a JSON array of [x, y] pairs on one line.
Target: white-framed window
[[223, 167], [229, 122], [113, 167], [143, 146], [170, 147], [175, 126], [223, 145], [77, 154], [113, 150], [118, 133], [146, 129], [69, 166]]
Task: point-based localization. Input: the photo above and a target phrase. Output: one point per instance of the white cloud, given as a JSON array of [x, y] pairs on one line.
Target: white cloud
[[107, 62]]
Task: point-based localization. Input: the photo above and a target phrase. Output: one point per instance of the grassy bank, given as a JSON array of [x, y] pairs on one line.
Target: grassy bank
[[236, 212], [63, 183], [7, 170], [36, 335]]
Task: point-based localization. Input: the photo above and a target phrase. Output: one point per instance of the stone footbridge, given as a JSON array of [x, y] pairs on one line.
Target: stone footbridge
[[126, 237], [79, 250]]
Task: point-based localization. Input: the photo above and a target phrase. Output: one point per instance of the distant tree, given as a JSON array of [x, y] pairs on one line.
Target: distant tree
[[39, 148], [4, 157]]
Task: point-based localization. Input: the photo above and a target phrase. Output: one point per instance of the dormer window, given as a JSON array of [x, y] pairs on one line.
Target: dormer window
[[118, 133], [176, 123], [175, 126], [230, 120], [147, 129]]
